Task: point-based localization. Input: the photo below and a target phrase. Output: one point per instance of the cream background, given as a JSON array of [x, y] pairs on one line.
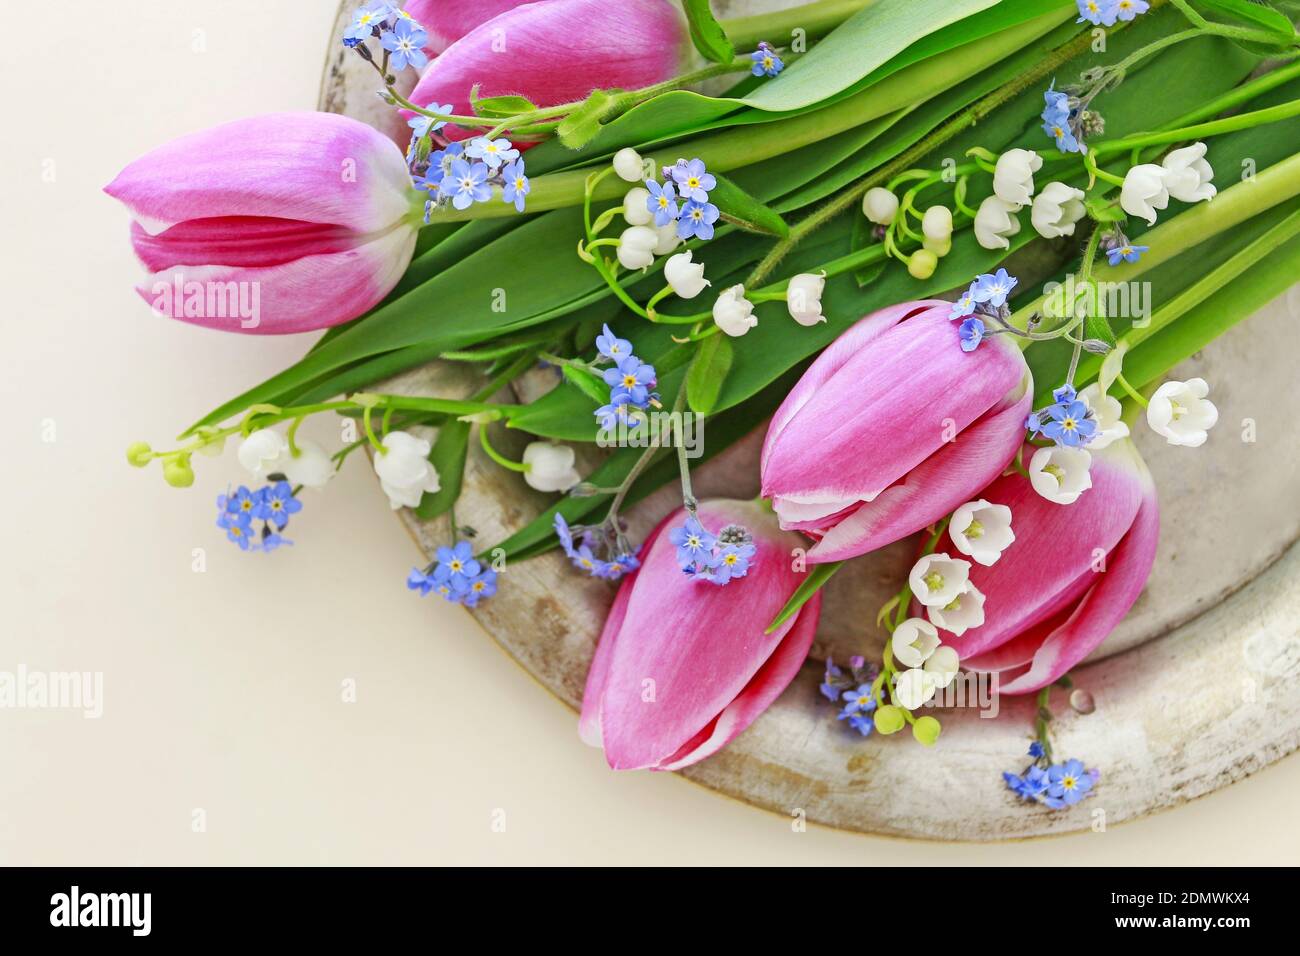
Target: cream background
[[222, 688]]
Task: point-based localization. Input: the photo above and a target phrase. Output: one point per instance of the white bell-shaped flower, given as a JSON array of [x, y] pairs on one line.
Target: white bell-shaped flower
[[981, 530], [1060, 474], [550, 466], [1144, 191], [937, 578], [733, 313], [1181, 413], [1056, 210], [995, 223], [1013, 176], [404, 470]]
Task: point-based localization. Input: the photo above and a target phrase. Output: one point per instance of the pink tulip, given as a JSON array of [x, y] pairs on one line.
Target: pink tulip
[[446, 21], [557, 52], [1071, 575], [892, 428], [683, 665], [274, 224]]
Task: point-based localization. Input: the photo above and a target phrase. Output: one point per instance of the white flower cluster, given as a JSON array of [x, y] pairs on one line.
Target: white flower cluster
[[1183, 175], [881, 206], [1054, 212]]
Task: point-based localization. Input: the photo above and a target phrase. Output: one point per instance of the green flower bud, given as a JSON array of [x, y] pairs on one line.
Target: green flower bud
[[922, 264], [139, 454], [177, 471], [926, 730], [889, 719]]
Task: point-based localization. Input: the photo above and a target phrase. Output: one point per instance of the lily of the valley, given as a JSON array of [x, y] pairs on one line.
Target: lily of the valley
[[628, 165], [733, 313], [914, 641], [880, 205], [1144, 191], [549, 466], [635, 210], [1181, 413], [1107, 412], [936, 579], [981, 530], [1187, 174], [995, 222], [636, 247], [960, 614], [266, 451], [1056, 210], [1061, 474], [1013, 176], [404, 470], [803, 298], [685, 276]]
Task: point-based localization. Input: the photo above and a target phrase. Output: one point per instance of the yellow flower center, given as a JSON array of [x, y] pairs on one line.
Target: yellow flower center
[[1069, 424], [629, 381], [1056, 471], [974, 530], [1069, 783], [934, 581], [455, 565], [693, 182]]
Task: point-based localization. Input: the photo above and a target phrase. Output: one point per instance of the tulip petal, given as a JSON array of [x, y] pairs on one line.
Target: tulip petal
[[556, 52], [1101, 609], [311, 167], [886, 409], [312, 292], [238, 241], [1057, 547], [446, 21], [767, 685], [933, 488], [686, 649]]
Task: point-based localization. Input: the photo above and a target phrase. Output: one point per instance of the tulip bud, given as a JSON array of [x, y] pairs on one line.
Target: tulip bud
[[628, 165], [684, 276], [636, 247], [446, 21], [733, 313], [941, 424], [635, 210], [1047, 607], [922, 263], [139, 454], [664, 627], [803, 297], [880, 206], [300, 250]]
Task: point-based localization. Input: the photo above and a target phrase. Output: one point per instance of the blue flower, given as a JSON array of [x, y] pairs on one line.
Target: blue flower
[[584, 560], [272, 540], [564, 534], [963, 306], [631, 378], [858, 700], [608, 416], [1060, 131], [694, 543], [993, 289], [828, 688], [277, 503], [494, 152], [611, 346], [1070, 424], [697, 219], [1068, 782], [422, 126], [1098, 12], [1125, 253], [863, 724], [1033, 424], [441, 159], [237, 527], [766, 62], [693, 180], [466, 184], [482, 586], [1129, 9], [1036, 749], [456, 565], [1057, 105], [1065, 393], [420, 581], [365, 21], [732, 562], [971, 334], [516, 184], [662, 202], [1029, 787], [404, 44]]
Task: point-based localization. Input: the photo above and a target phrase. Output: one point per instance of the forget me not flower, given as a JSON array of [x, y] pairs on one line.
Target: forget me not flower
[[1125, 253], [766, 62], [971, 334], [693, 180], [1070, 424], [516, 184], [994, 288], [1068, 782], [633, 378], [277, 503], [611, 346], [694, 543], [662, 202], [697, 220], [404, 44], [466, 184], [494, 152]]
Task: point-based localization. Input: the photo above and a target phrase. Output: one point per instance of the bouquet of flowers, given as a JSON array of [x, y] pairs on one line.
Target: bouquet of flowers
[[942, 254]]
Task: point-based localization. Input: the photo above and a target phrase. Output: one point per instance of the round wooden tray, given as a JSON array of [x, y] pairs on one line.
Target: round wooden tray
[[1197, 688]]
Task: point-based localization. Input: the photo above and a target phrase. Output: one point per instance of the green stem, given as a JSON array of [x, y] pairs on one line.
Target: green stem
[[816, 19], [1132, 392], [495, 455], [1230, 124]]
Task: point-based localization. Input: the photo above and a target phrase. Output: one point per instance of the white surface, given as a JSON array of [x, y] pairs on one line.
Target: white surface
[[222, 688]]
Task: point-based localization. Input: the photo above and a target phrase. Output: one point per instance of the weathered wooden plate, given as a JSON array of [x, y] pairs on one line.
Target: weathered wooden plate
[[1199, 686]]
